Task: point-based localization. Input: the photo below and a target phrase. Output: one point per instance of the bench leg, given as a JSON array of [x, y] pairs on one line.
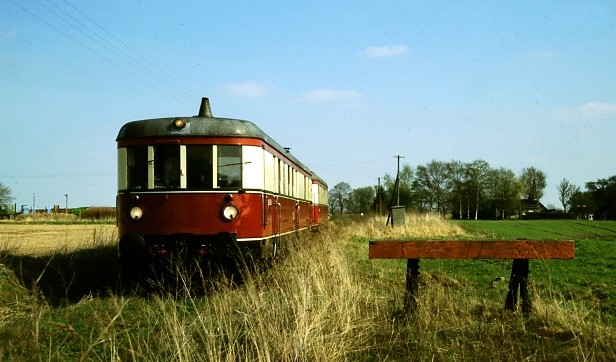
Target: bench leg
[[518, 281], [412, 285]]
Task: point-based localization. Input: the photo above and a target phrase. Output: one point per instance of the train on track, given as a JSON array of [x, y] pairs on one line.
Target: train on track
[[206, 187]]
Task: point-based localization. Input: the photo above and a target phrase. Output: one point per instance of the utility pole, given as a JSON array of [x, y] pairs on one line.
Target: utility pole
[[398, 177], [378, 191], [396, 212], [66, 207]]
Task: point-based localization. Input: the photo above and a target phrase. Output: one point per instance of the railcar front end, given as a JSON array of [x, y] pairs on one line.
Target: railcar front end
[[208, 187]]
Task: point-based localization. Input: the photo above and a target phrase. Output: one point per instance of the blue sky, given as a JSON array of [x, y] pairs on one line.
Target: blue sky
[[347, 85]]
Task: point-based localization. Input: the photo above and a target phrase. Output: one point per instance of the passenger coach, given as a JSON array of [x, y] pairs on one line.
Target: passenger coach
[[208, 185]]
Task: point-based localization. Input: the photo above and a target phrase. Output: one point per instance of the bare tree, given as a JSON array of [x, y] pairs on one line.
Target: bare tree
[[5, 194], [477, 181], [566, 190], [456, 170]]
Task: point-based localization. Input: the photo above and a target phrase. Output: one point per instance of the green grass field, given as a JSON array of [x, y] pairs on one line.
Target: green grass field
[[589, 277], [541, 229]]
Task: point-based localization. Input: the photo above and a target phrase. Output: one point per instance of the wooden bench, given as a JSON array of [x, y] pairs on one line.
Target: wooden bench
[[519, 250]]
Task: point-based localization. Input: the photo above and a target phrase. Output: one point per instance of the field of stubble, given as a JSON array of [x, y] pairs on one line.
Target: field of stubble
[[39, 239]]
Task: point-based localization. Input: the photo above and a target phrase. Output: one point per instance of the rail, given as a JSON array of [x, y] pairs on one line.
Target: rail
[[520, 251]]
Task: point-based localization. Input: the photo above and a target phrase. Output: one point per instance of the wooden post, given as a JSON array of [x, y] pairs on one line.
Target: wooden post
[[412, 285], [519, 282]]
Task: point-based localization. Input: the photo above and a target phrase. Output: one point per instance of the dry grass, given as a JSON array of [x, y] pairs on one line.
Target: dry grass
[[40, 239], [416, 226], [311, 307]]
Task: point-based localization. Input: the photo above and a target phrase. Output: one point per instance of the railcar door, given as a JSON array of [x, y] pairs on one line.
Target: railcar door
[[276, 220], [297, 216]]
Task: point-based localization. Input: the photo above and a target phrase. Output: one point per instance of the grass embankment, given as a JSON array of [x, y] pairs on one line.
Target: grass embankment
[[326, 301]]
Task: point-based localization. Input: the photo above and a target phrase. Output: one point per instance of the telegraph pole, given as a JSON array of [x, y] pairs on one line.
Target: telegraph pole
[[378, 191], [398, 177], [396, 212]]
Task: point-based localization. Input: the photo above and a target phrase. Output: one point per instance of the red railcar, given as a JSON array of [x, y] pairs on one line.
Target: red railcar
[[206, 185]]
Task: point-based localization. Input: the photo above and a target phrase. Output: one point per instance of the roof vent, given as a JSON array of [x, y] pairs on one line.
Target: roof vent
[[205, 110]]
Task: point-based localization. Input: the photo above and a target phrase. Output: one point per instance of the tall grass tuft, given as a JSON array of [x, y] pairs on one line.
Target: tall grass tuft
[[308, 307], [416, 225]]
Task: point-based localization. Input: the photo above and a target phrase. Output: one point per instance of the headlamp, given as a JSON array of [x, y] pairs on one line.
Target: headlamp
[[179, 123], [229, 212], [136, 213]]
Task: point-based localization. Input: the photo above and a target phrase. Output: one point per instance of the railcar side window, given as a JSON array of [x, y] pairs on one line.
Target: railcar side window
[[229, 166], [137, 167], [167, 167], [199, 169]]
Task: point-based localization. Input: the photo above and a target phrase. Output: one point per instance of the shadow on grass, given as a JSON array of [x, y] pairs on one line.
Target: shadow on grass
[[66, 278]]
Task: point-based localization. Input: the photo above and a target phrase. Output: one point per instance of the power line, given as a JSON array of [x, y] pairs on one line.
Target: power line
[[170, 81], [110, 48], [169, 78]]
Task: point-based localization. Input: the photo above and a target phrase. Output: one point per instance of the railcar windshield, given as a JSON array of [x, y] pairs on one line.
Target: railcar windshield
[[167, 167], [229, 166], [199, 167], [189, 167], [137, 168]]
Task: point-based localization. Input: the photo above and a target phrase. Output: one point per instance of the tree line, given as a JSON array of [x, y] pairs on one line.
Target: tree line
[[472, 190]]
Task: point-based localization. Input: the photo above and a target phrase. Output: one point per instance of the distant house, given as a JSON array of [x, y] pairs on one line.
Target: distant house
[[582, 212], [531, 206]]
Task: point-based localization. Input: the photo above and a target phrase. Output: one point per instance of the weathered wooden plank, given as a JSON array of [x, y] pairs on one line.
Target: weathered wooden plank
[[472, 249]]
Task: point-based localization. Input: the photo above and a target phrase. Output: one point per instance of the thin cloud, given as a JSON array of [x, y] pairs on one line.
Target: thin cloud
[[326, 95], [385, 51], [247, 89], [597, 110], [592, 111]]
